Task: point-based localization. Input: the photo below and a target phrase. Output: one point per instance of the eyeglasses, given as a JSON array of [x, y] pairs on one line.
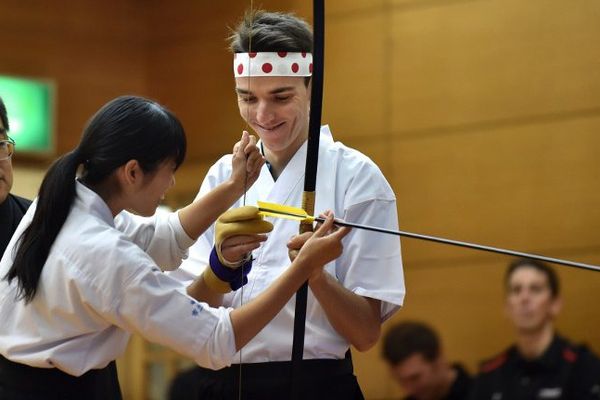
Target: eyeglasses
[[7, 149]]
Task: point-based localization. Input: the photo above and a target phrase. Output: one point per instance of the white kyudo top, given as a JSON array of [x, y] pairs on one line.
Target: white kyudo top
[[351, 185], [101, 283]]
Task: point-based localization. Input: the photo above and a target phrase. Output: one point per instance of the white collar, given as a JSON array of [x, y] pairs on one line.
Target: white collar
[[91, 202]]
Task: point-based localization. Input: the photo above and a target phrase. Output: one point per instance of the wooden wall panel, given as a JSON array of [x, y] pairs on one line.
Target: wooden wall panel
[[92, 52], [354, 93], [191, 72], [493, 60], [348, 9], [27, 181], [527, 187]]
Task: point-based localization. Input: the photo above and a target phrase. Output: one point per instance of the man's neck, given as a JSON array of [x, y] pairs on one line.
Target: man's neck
[[532, 344], [279, 160]]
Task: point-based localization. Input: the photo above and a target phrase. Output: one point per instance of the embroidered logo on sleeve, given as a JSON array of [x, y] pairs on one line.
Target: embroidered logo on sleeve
[[550, 393], [196, 308]]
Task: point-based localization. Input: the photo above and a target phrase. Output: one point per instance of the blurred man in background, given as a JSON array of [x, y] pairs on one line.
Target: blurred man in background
[[541, 364], [12, 208], [415, 359]]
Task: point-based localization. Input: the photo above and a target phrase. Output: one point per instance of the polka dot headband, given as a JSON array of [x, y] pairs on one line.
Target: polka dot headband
[[280, 63]]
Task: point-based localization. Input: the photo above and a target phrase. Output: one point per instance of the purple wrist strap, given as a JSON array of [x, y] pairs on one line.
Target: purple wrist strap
[[236, 277]]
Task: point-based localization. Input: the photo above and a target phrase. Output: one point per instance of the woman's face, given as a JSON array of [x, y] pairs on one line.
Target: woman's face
[[153, 190]]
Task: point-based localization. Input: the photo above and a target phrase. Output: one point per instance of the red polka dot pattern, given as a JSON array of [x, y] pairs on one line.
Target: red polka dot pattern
[[282, 63], [267, 68]]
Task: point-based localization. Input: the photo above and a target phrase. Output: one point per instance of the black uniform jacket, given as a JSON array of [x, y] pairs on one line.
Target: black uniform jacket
[[11, 211], [563, 371], [459, 389]]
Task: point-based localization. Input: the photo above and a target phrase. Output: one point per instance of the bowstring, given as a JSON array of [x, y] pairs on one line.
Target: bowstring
[[246, 178]]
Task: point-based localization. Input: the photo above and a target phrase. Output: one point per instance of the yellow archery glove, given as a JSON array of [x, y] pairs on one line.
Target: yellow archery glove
[[224, 275]]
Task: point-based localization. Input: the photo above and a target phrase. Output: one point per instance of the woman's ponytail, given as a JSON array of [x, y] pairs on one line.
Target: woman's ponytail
[[55, 199]]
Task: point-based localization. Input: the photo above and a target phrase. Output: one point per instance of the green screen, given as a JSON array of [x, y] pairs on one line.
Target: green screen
[[28, 103]]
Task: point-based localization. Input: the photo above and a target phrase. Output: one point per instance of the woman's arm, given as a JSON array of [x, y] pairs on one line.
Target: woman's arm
[[323, 246], [202, 213]]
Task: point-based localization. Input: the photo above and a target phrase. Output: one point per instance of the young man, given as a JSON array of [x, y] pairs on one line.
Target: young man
[[541, 364], [12, 208], [415, 359], [347, 303]]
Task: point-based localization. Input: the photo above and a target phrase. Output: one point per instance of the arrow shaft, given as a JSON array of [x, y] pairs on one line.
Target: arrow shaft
[[467, 245]]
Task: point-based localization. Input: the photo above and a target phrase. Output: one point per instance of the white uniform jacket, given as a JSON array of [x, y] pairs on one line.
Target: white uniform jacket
[[351, 185], [100, 283]]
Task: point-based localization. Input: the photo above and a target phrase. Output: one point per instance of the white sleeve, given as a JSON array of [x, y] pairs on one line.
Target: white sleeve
[[161, 236], [157, 307], [199, 253], [144, 300], [371, 263]]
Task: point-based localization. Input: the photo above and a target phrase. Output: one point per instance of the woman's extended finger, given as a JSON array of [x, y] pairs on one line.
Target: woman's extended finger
[[325, 227], [324, 214], [340, 232]]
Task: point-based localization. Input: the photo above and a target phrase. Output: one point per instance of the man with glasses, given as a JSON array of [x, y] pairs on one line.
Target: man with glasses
[[12, 208]]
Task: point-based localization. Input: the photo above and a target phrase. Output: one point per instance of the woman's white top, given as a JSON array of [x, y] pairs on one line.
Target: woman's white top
[[100, 283]]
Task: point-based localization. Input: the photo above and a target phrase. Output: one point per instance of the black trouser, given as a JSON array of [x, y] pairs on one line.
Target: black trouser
[[320, 379], [22, 382]]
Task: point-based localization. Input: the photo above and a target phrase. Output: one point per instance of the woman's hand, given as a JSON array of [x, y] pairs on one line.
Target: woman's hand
[[297, 241], [318, 248], [246, 163]]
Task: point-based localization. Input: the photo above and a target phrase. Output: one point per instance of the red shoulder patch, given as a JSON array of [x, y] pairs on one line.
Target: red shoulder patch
[[569, 355], [491, 365]]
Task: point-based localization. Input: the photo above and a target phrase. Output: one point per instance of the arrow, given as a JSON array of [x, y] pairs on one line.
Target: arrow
[[298, 214]]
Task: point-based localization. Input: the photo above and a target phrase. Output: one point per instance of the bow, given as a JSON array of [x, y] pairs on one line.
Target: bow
[[310, 180]]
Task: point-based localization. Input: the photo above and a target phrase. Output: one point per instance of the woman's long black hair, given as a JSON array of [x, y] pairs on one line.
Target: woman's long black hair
[[127, 128]]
